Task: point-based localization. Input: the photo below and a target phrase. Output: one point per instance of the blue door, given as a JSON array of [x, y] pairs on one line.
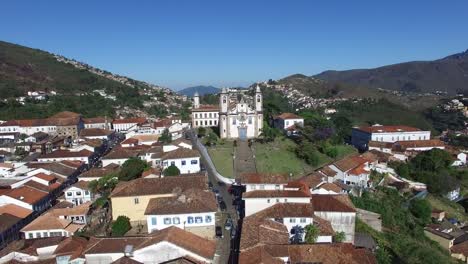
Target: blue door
[[242, 133]]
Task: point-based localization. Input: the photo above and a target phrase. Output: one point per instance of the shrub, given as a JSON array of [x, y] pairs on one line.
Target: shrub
[[339, 237], [171, 171], [132, 169], [121, 226], [311, 234]]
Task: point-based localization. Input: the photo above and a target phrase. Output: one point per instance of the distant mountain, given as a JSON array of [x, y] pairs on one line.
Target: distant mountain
[[201, 89], [449, 74]]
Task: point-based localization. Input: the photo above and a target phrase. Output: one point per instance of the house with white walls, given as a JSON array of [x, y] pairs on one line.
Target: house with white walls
[[83, 155], [96, 133], [186, 160], [119, 155], [360, 136], [128, 124], [49, 225], [161, 246], [288, 122], [26, 197], [352, 170], [192, 210], [79, 193]]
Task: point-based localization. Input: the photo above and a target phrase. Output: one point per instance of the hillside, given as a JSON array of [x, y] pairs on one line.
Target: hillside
[[201, 89], [449, 74], [72, 85]]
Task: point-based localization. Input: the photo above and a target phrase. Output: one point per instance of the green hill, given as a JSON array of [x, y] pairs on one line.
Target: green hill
[[24, 69]]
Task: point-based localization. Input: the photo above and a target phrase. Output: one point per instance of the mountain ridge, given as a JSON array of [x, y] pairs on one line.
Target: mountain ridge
[[448, 74], [201, 89]]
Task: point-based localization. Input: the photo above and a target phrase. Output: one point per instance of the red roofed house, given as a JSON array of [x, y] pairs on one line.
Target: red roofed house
[[83, 155], [288, 121], [362, 135], [26, 197], [353, 170], [125, 125]]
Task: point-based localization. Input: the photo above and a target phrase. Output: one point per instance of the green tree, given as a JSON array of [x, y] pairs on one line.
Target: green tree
[[269, 133], [132, 169], [171, 171], [421, 209], [311, 234], [105, 184], [165, 137], [382, 255], [121, 226], [308, 152], [211, 139], [339, 237], [201, 131]]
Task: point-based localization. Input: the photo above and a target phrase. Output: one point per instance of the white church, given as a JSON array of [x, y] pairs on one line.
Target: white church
[[239, 115]]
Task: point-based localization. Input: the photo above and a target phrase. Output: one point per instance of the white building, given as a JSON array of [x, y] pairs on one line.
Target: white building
[[79, 193], [240, 118], [460, 159], [353, 170], [96, 122], [49, 225], [287, 121], [362, 135], [194, 211], [61, 155], [126, 125], [204, 115], [186, 160], [266, 190]]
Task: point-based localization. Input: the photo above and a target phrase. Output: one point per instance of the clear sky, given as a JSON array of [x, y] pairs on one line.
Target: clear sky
[[226, 43]]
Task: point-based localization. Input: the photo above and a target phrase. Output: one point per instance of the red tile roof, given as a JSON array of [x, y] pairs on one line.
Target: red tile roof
[[45, 177], [388, 129], [206, 108], [139, 120], [94, 120], [289, 116], [94, 132], [189, 201], [67, 154], [15, 210], [265, 178], [332, 203], [27, 194]]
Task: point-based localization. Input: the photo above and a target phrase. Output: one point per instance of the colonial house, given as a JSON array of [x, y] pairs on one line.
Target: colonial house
[[26, 197], [360, 136], [119, 156], [96, 133], [49, 225], [295, 217], [97, 173], [353, 170], [272, 189], [126, 125], [204, 115], [288, 122], [67, 155], [132, 198], [12, 219], [77, 214], [96, 122], [193, 210], [174, 126], [339, 211], [186, 160], [79, 193], [169, 245]]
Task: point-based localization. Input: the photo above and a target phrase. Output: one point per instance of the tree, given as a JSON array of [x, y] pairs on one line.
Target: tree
[[298, 232], [132, 169], [201, 131], [165, 137], [308, 152], [211, 139], [339, 237], [382, 255], [171, 171], [421, 209], [105, 184], [311, 234], [121, 226]]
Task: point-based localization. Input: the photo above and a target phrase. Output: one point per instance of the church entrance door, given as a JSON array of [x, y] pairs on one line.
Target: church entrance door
[[243, 133]]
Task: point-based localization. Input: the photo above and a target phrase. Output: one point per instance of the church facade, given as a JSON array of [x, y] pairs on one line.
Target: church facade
[[239, 115]]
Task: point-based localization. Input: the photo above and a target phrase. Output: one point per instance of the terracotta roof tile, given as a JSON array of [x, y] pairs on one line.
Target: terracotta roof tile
[[461, 248], [71, 246], [7, 221], [94, 120], [94, 132], [254, 178], [67, 154], [149, 186], [15, 210], [49, 221], [289, 116], [313, 179], [98, 172], [189, 201], [331, 187], [340, 253], [388, 129], [332, 203], [139, 120], [181, 153], [27, 194]]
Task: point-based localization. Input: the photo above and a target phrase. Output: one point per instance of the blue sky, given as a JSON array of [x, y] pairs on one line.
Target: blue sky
[[226, 43]]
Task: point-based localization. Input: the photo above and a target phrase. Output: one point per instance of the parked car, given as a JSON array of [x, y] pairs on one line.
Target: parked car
[[216, 192], [233, 233], [219, 232], [228, 224]]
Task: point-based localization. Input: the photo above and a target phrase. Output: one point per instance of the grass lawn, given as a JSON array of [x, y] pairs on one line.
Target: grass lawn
[[278, 157], [221, 155], [453, 209], [345, 150]]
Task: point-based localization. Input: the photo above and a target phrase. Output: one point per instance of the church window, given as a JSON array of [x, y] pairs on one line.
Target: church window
[[209, 115], [233, 121], [196, 123], [250, 120], [258, 99], [205, 115], [211, 123], [224, 99]]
